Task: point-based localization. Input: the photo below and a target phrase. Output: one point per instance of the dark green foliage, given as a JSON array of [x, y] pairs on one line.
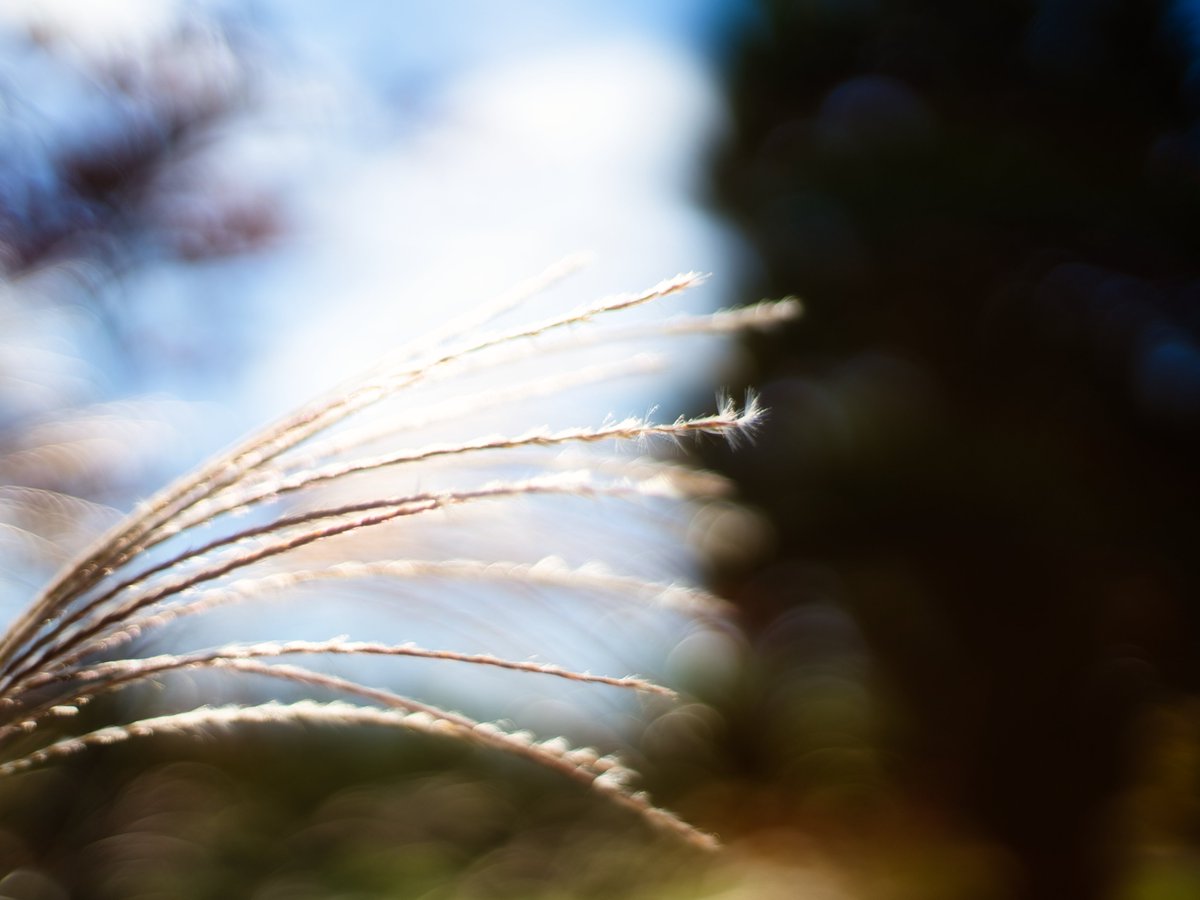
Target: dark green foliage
[[987, 426]]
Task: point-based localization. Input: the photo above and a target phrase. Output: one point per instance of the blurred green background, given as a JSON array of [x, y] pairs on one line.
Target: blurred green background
[[982, 456]]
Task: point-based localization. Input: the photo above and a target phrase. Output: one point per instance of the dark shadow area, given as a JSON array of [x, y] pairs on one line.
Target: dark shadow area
[[981, 461]]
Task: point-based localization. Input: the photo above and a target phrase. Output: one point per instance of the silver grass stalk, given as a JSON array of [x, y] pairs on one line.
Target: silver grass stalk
[[187, 551]]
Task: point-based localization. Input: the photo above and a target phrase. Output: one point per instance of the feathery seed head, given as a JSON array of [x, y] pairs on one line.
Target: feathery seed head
[[256, 520]]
